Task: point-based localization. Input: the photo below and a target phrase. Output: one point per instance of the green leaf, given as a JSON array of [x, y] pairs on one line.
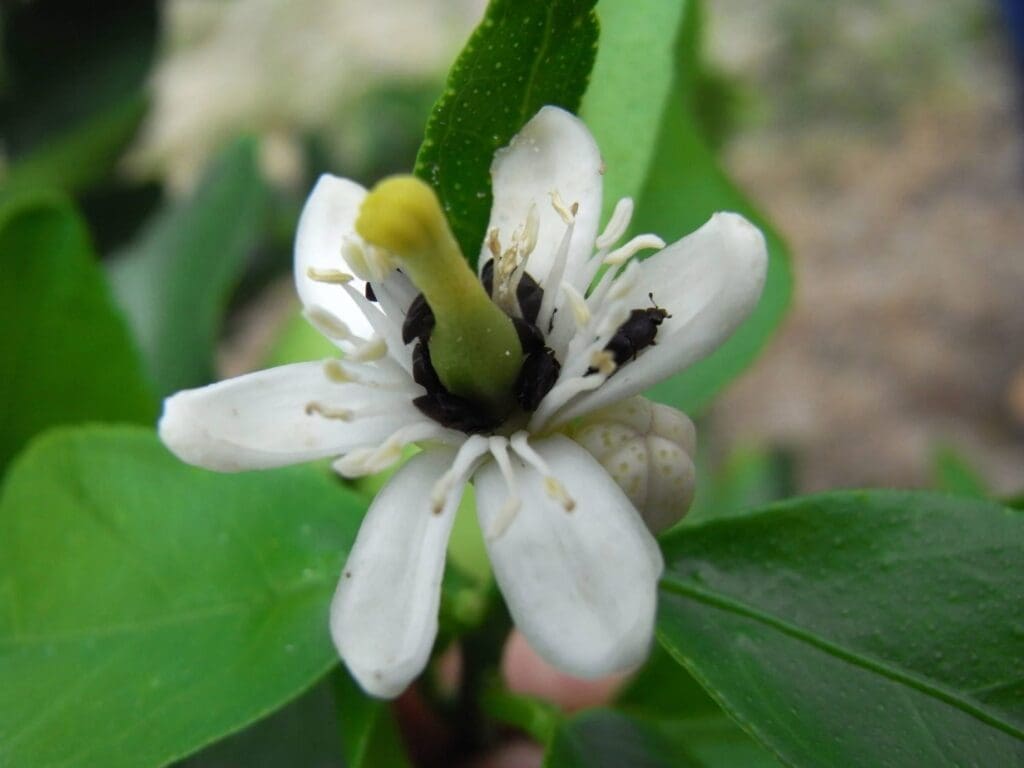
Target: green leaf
[[523, 55], [643, 112], [369, 734], [858, 628], [749, 478], [633, 81], [175, 280], [68, 356], [954, 474], [80, 156], [304, 733], [667, 697], [148, 608]]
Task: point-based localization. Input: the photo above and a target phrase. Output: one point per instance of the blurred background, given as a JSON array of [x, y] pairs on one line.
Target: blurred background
[[883, 138]]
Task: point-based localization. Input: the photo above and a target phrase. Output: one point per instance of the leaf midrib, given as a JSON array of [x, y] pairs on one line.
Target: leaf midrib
[[918, 683]]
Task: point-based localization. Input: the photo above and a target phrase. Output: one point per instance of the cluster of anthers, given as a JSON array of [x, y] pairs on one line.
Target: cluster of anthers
[[523, 377]]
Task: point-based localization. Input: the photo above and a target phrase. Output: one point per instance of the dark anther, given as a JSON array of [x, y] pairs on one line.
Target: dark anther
[[536, 378], [419, 321], [636, 334], [529, 294], [441, 405], [530, 337], [454, 412], [423, 372], [368, 292]]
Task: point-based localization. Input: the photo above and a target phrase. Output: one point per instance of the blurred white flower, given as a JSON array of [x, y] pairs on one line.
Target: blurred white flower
[[570, 549], [278, 68]]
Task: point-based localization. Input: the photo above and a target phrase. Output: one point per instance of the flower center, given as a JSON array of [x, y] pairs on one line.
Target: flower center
[[473, 346]]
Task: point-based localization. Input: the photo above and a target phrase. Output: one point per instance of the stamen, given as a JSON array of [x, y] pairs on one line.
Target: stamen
[[604, 362], [371, 460], [562, 393], [634, 246], [326, 411], [580, 311], [374, 349], [465, 463], [366, 261], [568, 213], [554, 281], [347, 372], [333, 276], [508, 511], [330, 326], [553, 488], [493, 243], [531, 226], [617, 224]]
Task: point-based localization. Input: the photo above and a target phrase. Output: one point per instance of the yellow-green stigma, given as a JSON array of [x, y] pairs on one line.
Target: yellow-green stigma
[[474, 346]]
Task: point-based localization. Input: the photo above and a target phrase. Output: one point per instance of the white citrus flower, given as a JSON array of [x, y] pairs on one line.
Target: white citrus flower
[[491, 401]]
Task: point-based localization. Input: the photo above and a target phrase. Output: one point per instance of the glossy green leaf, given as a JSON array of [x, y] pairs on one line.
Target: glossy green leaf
[[859, 628], [148, 608], [523, 55], [664, 163], [67, 354], [174, 281]]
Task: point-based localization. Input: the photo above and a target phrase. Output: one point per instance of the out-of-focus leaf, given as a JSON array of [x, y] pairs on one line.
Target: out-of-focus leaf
[[748, 479], [632, 83], [369, 735], [75, 159], [174, 281], [605, 738], [303, 733], [67, 354], [148, 608], [523, 55], [299, 342], [68, 63], [859, 628], [332, 725], [954, 474], [662, 160], [666, 696]]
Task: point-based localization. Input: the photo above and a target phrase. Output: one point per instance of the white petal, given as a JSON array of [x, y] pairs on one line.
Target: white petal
[[384, 613], [554, 152], [328, 218], [262, 419], [581, 585], [709, 282]]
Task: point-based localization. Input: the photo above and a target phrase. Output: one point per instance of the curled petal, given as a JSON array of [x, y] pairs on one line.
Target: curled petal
[[280, 416], [580, 584], [384, 613], [328, 218], [708, 282], [553, 153]]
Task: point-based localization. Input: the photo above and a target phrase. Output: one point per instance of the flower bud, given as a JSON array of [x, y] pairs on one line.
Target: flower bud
[[647, 448]]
